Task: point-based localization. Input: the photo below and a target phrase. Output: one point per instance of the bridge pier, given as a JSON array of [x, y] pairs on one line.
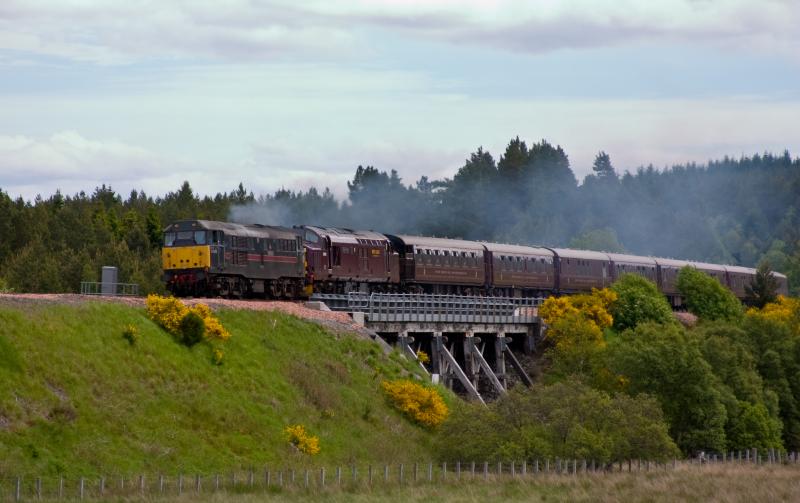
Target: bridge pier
[[458, 357]]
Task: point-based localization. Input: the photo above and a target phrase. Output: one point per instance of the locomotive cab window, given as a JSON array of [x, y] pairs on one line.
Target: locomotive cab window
[[200, 237], [169, 238]]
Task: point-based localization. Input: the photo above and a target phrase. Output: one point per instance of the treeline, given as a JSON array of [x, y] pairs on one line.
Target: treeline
[[736, 211], [623, 379]]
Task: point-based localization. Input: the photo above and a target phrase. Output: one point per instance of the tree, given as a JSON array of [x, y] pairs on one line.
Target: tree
[[603, 168], [638, 301], [662, 361], [706, 297], [598, 239], [763, 289]]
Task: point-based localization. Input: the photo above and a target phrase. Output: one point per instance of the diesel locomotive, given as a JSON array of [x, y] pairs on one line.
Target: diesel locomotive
[[206, 258]]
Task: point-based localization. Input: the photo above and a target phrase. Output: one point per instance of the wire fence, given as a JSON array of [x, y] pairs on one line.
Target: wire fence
[[352, 477]]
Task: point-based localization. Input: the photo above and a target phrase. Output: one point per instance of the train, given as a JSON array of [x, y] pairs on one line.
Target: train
[[210, 258]]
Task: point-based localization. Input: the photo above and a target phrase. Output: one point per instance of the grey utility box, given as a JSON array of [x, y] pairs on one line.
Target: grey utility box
[[109, 282]]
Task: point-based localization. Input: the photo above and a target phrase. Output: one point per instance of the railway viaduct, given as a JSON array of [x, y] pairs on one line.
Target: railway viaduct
[[472, 342]]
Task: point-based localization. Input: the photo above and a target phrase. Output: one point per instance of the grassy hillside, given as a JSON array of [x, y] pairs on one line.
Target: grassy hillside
[[77, 398]]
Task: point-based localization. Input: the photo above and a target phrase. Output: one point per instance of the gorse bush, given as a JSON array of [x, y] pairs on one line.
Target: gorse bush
[[301, 439], [131, 334], [169, 312], [422, 404], [190, 325]]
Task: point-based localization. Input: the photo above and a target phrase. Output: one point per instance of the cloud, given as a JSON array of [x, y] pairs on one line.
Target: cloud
[[108, 31], [69, 161]]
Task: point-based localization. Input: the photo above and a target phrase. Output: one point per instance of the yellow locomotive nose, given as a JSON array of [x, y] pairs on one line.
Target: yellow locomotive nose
[[185, 257]]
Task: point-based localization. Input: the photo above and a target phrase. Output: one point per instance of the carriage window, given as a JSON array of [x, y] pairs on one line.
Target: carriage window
[[169, 238]]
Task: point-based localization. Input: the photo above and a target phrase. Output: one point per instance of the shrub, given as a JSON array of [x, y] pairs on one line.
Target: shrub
[[166, 311], [422, 356], [192, 328], [4, 288], [423, 405], [638, 300], [216, 356], [566, 420], [706, 297], [301, 439], [169, 312], [131, 334]]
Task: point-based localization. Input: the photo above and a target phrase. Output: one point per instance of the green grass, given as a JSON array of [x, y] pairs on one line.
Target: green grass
[[77, 398]]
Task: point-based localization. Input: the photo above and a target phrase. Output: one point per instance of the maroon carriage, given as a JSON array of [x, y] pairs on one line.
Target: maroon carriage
[[344, 260]]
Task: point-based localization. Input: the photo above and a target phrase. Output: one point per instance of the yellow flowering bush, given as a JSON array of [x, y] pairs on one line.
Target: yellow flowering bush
[[422, 356], [166, 311], [301, 439], [784, 310], [594, 307], [169, 311], [422, 404], [216, 356]]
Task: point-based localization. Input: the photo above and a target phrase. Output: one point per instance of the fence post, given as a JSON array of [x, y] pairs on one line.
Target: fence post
[[430, 472], [444, 471], [355, 474], [39, 488], [141, 484], [267, 477], [369, 474], [472, 469], [386, 473], [339, 475], [197, 483], [102, 486], [60, 487], [524, 467], [499, 468], [513, 469], [322, 476], [180, 484], [485, 470], [81, 488], [536, 466], [216, 482], [547, 465], [280, 478], [306, 479], [416, 467], [252, 478], [18, 489], [401, 473]]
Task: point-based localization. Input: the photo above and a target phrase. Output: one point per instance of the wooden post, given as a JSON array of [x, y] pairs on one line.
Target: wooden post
[[499, 358], [252, 478], [430, 472], [216, 482], [18, 489], [386, 473], [180, 484], [338, 475], [369, 474], [536, 466], [416, 472], [60, 487], [322, 476], [291, 478], [458, 470], [280, 478], [547, 465], [485, 470], [355, 473], [444, 471], [401, 474], [472, 470], [81, 488], [306, 479], [197, 483], [499, 468], [102, 486], [267, 477], [524, 467], [513, 469]]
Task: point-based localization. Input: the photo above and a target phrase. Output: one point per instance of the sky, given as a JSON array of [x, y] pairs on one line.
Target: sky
[[292, 94]]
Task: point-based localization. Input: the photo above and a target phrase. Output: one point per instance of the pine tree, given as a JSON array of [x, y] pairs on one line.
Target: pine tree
[[764, 287]]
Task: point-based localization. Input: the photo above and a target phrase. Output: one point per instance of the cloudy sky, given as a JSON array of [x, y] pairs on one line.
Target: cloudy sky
[[145, 94]]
